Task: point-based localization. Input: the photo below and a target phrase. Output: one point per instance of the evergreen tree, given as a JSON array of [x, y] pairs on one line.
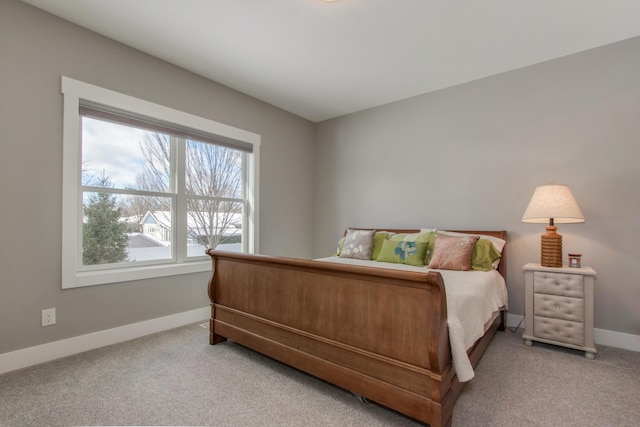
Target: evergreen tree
[[104, 238]]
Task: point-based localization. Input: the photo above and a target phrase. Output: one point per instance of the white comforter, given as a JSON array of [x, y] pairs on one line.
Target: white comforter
[[472, 298]]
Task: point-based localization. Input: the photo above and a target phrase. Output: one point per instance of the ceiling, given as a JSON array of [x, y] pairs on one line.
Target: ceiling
[[321, 59]]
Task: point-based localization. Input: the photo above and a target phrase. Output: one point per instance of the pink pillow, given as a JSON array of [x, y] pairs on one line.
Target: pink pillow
[[453, 252]]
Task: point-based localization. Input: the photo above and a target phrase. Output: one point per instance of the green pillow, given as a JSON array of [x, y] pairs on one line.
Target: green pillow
[[484, 255], [340, 245], [403, 252], [428, 238], [378, 239], [431, 244]]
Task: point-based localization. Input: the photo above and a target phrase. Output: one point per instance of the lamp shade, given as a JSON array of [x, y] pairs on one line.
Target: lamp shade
[[553, 201]]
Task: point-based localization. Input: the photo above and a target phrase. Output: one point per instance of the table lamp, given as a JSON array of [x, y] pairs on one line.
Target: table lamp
[[552, 203]]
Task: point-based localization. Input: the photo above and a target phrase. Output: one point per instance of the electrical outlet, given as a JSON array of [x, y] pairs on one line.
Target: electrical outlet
[[49, 317]]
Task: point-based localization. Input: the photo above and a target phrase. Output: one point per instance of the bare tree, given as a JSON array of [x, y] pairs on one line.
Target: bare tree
[[156, 174], [213, 180], [155, 149], [215, 172]]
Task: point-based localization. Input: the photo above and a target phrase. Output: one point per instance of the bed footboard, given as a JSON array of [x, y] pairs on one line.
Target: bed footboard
[[379, 333]]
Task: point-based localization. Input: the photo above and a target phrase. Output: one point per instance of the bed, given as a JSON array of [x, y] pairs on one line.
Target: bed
[[381, 333]]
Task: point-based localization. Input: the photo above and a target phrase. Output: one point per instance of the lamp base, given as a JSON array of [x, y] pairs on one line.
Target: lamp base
[[551, 248]]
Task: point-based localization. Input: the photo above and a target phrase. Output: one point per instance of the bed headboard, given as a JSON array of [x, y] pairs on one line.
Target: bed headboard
[[502, 234]]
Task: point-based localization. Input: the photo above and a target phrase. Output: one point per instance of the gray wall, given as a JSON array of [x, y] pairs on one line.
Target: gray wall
[[470, 157], [35, 50]]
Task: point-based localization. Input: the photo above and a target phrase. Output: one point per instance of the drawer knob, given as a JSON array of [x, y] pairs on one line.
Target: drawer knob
[[557, 283], [557, 307]]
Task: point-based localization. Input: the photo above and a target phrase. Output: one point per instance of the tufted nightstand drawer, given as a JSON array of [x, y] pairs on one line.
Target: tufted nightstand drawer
[[559, 330], [558, 307], [569, 285]]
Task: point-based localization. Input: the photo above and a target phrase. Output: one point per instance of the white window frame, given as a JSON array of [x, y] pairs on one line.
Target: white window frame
[[74, 92]]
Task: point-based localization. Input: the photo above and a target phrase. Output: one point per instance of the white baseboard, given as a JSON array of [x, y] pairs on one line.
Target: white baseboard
[[43, 353], [617, 339], [601, 336]]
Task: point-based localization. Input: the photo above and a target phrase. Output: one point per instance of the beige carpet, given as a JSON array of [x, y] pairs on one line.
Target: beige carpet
[[177, 378]]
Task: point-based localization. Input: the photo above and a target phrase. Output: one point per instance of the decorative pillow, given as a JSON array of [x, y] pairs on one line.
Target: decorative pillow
[[403, 252], [498, 243], [378, 239], [358, 244], [484, 255], [422, 237], [453, 252]]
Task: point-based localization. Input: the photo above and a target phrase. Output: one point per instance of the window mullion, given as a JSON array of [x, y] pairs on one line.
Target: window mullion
[[245, 208], [84, 188], [251, 171], [180, 209]]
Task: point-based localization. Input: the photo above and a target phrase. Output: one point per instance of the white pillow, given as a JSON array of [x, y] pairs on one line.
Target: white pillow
[[428, 230]]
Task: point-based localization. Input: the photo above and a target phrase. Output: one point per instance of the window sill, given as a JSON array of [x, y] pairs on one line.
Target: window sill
[[91, 278]]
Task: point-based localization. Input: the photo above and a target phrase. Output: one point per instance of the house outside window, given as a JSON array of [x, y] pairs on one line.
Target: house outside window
[[147, 188]]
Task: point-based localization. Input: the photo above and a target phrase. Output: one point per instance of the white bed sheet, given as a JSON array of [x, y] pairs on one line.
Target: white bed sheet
[[472, 298]]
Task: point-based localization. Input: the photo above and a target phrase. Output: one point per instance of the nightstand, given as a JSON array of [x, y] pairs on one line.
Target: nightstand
[[559, 307]]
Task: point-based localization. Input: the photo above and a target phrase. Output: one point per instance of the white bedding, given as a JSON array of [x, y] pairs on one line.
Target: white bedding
[[472, 298]]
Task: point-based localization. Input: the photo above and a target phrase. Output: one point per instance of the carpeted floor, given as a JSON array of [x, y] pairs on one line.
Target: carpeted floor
[[177, 378]]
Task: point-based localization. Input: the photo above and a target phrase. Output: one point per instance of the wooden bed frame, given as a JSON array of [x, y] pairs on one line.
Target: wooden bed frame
[[378, 333]]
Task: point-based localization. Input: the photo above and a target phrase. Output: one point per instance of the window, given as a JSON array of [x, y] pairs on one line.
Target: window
[[146, 189]]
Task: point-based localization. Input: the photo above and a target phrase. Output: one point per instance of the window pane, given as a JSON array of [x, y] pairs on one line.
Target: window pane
[[214, 224], [212, 170], [130, 158], [121, 228]]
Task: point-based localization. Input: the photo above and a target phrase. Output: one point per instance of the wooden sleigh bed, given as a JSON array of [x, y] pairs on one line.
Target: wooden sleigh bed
[[379, 333]]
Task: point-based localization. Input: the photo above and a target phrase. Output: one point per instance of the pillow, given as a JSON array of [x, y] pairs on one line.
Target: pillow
[[424, 236], [497, 242], [417, 237], [484, 255], [398, 237], [340, 243], [358, 244], [453, 252], [431, 242], [378, 239], [377, 243], [403, 252]]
